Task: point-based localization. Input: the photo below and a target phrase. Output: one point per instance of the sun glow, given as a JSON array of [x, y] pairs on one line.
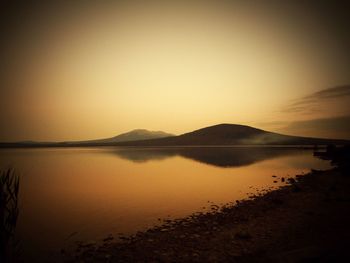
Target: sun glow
[[99, 71]]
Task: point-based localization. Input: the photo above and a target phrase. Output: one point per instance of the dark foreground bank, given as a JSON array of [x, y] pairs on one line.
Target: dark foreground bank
[[308, 220]]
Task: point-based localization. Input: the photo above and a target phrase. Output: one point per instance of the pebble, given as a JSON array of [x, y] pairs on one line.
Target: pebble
[[109, 238], [291, 180]]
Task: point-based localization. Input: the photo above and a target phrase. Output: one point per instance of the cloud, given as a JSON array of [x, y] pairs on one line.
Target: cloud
[[325, 114], [334, 92], [332, 127], [311, 103]]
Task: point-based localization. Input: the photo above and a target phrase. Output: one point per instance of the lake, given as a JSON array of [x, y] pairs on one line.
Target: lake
[[71, 194]]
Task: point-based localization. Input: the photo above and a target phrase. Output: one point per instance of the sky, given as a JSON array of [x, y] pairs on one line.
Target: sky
[[75, 70]]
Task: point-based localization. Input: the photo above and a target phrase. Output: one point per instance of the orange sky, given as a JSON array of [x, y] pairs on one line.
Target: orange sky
[[93, 71]]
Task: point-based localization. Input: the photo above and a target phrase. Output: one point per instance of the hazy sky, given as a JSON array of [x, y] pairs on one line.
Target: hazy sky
[[95, 69]]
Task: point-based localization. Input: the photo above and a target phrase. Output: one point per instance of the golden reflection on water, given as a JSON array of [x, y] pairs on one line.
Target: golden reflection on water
[[95, 192]]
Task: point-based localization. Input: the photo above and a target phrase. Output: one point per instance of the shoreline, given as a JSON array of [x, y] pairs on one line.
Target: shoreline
[[304, 220]]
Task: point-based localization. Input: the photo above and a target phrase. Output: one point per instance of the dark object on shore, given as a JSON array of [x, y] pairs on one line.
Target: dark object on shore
[[9, 188], [339, 156], [291, 180]]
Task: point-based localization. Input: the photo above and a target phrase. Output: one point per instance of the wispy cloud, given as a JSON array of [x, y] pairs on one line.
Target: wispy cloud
[[333, 127], [310, 103], [329, 93], [325, 113]]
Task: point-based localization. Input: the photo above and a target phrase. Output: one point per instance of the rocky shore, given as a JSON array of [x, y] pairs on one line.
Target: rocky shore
[[308, 220]]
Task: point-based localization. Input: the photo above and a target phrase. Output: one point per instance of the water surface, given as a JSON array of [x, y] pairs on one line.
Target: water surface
[[70, 194]]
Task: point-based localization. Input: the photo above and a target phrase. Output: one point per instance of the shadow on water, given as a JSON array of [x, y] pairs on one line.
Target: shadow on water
[[9, 188], [217, 156], [141, 155]]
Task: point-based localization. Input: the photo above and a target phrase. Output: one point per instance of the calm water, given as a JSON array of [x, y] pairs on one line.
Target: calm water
[[70, 194]]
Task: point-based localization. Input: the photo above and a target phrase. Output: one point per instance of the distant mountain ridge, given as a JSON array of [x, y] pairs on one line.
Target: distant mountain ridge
[[134, 135], [216, 135], [232, 134]]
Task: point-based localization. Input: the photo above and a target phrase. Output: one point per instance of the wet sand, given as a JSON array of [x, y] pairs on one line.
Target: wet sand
[[304, 221]]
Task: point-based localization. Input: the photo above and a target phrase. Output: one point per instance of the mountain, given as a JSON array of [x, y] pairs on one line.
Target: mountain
[[232, 134], [134, 135], [221, 134]]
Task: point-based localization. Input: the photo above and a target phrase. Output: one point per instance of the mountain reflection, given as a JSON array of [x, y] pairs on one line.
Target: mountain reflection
[[217, 156]]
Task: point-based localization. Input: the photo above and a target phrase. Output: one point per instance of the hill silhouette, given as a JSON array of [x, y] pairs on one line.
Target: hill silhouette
[[232, 134], [217, 135], [134, 135]]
